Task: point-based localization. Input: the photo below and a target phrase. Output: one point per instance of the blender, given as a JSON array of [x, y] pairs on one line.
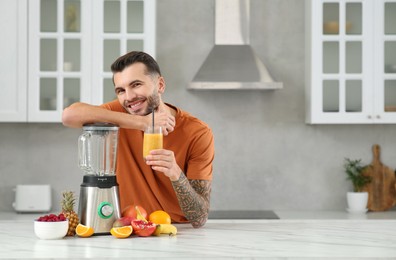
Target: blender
[[99, 203]]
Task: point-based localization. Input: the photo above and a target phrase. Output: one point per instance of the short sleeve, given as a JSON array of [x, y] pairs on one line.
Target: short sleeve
[[200, 161]]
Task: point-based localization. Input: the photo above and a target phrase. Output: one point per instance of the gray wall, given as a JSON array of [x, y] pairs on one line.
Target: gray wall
[[266, 156]]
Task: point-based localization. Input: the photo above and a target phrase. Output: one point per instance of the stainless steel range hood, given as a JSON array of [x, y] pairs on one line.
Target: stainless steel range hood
[[232, 63]]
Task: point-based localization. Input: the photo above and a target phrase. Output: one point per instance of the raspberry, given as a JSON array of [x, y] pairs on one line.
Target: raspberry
[[52, 218]]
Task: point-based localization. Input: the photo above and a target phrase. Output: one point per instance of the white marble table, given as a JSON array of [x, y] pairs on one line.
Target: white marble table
[[338, 235]]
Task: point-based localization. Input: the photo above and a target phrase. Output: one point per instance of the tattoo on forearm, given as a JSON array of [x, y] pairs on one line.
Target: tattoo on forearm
[[193, 197]]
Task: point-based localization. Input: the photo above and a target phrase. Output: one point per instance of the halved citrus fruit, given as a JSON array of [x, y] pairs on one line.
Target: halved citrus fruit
[[84, 231], [121, 232], [160, 217]]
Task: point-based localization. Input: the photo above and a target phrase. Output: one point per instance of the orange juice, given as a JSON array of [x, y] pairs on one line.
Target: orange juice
[[152, 141]]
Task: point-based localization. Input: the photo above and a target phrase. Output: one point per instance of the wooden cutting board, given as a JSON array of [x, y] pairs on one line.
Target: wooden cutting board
[[381, 189]]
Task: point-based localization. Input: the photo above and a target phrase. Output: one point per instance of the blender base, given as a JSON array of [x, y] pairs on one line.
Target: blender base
[[99, 203]]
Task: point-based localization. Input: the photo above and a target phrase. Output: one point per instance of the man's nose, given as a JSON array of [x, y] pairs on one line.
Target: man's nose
[[130, 94]]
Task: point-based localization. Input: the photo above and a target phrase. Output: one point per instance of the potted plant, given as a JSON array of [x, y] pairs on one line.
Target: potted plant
[[357, 200]]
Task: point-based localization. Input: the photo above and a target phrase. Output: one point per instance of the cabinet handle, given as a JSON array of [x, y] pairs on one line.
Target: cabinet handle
[[369, 117], [378, 116]]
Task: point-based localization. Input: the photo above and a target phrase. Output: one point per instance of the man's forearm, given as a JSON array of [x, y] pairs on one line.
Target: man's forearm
[[193, 197], [78, 114]]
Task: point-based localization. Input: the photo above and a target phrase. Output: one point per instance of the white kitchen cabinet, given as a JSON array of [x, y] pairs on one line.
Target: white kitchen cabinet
[[13, 69], [351, 61], [127, 25], [71, 46]]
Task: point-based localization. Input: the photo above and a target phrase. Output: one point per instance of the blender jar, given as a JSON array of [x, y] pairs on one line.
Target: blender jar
[[97, 149]]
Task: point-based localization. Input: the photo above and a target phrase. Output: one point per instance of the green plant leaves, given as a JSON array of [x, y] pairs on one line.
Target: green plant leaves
[[354, 170]]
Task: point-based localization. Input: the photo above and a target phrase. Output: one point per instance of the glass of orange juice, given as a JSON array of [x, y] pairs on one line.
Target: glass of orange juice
[[152, 140]]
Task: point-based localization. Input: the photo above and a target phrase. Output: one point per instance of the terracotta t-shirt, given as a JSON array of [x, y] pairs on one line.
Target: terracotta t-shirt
[[191, 142]]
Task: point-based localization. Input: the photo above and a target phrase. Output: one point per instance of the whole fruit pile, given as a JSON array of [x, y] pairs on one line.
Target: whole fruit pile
[[133, 221]]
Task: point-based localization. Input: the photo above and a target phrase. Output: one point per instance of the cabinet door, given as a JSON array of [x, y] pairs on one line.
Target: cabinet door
[[340, 72], [13, 69], [120, 26], [385, 61], [59, 52]]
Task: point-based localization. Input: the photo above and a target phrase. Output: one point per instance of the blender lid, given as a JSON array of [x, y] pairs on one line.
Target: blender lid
[[100, 126]]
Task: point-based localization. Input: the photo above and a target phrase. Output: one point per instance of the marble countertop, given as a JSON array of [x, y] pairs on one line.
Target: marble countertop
[[296, 234]]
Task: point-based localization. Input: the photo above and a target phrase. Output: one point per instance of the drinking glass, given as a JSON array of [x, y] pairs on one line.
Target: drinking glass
[[153, 139]]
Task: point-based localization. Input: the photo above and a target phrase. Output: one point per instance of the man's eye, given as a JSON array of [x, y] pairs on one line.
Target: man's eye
[[119, 91]]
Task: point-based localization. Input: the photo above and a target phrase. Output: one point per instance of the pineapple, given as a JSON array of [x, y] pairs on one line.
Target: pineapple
[[67, 203]]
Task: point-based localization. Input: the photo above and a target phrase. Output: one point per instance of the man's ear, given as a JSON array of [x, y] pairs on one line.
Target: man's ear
[[161, 85]]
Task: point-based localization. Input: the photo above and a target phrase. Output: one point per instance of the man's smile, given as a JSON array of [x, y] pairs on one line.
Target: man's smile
[[137, 105]]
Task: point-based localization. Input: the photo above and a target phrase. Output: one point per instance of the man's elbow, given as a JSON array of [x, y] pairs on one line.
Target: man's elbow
[[200, 222], [68, 117]]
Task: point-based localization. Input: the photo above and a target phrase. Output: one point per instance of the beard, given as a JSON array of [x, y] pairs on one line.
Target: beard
[[153, 103]]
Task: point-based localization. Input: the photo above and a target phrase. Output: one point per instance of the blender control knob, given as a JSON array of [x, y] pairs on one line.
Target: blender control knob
[[105, 210]]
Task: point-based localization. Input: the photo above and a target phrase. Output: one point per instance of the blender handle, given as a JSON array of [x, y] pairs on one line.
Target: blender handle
[[83, 154]]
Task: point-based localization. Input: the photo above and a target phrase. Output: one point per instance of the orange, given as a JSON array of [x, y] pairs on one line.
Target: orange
[[160, 217], [121, 232], [84, 231]]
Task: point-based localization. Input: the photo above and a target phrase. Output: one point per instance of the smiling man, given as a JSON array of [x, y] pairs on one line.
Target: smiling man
[[177, 178]]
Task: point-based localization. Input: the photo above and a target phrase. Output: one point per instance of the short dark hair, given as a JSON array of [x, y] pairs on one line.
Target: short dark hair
[[134, 57]]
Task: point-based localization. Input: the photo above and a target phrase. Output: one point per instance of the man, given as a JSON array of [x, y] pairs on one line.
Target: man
[[176, 179]]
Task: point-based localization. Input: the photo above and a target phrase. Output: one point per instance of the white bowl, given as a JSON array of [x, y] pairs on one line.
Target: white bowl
[[51, 230]]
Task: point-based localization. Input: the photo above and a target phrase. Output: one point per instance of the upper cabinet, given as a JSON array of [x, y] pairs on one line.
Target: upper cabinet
[[118, 27], [351, 61], [13, 68], [72, 44]]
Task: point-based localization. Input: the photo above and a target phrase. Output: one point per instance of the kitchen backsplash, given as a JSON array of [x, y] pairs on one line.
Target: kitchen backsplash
[[266, 156]]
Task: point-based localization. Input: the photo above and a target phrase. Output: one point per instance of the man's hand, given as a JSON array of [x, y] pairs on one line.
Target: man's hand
[[164, 161], [193, 195], [163, 118]]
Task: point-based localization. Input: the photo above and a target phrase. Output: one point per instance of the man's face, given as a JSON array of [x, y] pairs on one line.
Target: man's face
[[137, 92]]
